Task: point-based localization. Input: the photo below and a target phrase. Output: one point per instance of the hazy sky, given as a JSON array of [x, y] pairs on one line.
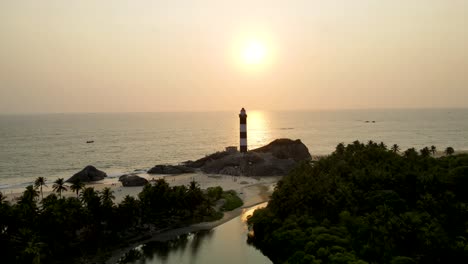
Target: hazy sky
[[119, 56]]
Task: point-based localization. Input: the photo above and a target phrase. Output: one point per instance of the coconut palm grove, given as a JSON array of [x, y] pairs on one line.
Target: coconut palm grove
[[368, 204], [86, 228]]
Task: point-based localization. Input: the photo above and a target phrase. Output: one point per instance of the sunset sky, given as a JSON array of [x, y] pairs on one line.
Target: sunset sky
[[145, 56]]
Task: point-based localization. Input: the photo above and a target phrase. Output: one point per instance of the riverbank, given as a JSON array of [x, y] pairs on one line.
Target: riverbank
[[252, 195]]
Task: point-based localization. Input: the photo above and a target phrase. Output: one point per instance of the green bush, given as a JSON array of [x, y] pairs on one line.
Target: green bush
[[214, 193], [232, 201]]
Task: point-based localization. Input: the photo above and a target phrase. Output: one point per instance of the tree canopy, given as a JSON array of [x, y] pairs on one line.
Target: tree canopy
[[367, 204], [68, 230]]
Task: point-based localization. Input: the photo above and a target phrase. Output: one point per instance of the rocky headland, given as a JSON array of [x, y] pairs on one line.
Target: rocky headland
[[275, 159]]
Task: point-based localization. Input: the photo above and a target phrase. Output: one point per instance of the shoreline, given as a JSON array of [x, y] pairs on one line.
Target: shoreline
[[14, 189], [16, 185], [236, 183]]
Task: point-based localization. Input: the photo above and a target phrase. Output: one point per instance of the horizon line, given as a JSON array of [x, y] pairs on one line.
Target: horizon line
[[220, 111]]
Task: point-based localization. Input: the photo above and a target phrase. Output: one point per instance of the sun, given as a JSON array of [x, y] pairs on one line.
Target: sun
[[254, 52]]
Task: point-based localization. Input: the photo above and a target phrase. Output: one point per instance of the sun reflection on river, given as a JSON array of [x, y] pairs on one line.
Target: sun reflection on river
[[246, 213]]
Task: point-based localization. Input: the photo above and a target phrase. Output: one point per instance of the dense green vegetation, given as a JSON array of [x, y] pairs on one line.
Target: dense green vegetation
[[232, 201], [63, 230], [368, 204]]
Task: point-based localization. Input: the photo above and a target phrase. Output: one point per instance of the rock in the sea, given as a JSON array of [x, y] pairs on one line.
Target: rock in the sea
[[285, 148], [89, 173], [170, 169], [129, 180]]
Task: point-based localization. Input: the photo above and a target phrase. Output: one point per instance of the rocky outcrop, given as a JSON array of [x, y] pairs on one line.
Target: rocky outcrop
[[201, 162], [129, 180], [284, 148], [250, 164], [88, 174], [277, 158], [170, 169]]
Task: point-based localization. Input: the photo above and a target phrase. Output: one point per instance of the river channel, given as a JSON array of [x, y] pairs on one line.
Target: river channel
[[226, 244]]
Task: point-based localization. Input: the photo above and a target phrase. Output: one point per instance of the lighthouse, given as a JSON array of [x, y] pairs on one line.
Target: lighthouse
[[243, 130]]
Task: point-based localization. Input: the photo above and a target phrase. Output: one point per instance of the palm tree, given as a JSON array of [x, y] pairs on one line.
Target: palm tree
[[433, 150], [29, 196], [383, 146], [425, 152], [129, 210], [91, 200], [87, 194], [340, 149], [194, 196], [411, 152], [449, 151], [30, 192], [39, 182], [33, 247], [107, 195], [395, 148], [77, 186], [59, 186]]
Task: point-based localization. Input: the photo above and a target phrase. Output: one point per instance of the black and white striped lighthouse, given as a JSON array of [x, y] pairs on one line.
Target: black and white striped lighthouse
[[243, 130]]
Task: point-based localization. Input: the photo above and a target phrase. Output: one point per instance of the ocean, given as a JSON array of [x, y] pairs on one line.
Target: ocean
[[54, 145]]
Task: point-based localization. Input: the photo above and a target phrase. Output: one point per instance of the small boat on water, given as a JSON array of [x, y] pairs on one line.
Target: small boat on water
[[90, 141]]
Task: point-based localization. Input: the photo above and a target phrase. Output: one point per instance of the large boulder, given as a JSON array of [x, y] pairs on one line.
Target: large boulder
[[170, 169], [88, 174], [285, 148], [129, 180]]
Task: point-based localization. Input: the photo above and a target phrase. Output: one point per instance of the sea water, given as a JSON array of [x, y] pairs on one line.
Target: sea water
[[54, 145]]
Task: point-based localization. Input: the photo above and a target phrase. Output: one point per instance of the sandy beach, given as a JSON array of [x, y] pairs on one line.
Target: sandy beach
[[252, 190]]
